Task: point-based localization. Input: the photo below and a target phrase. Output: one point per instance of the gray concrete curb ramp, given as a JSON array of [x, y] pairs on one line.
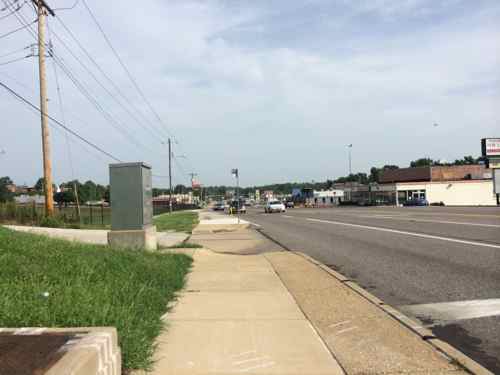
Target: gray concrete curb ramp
[[412, 325]]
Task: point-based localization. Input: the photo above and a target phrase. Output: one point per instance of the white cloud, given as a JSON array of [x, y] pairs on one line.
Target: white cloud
[[230, 89]]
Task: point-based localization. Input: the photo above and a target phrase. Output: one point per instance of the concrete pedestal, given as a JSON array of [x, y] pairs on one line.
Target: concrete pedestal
[[134, 239]]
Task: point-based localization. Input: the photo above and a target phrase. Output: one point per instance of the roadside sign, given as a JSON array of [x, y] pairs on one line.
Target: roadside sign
[[490, 146], [496, 181]]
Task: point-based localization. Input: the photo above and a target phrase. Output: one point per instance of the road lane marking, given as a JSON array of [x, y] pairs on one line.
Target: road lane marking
[[252, 223], [454, 311], [407, 218], [431, 213], [288, 217], [430, 236]]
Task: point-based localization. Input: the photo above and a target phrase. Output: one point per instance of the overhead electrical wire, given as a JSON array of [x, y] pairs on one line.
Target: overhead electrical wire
[[127, 71], [61, 110], [63, 66], [124, 107], [14, 60], [110, 119], [110, 80], [14, 52], [18, 29], [72, 132], [12, 11]]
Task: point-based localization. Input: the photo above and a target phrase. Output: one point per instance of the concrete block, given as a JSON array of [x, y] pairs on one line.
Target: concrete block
[[134, 239], [84, 351]]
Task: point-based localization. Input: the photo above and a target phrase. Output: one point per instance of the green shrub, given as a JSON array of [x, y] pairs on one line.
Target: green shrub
[[51, 222]]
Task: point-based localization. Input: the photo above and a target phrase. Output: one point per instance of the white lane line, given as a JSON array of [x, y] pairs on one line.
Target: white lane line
[[429, 221], [454, 311], [252, 223], [288, 217], [430, 236]]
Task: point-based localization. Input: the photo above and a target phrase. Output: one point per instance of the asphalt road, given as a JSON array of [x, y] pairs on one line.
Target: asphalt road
[[437, 257]]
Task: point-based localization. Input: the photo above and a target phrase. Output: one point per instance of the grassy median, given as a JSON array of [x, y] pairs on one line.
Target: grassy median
[[182, 221], [46, 282]]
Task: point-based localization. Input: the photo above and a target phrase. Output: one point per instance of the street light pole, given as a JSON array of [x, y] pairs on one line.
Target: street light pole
[[236, 174], [170, 174], [350, 159]]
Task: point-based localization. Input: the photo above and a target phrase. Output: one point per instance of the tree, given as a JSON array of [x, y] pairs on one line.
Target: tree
[[362, 178], [180, 189], [39, 186], [422, 162], [467, 160], [5, 194], [375, 172]]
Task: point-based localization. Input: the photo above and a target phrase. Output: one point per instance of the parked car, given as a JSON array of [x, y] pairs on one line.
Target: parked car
[[289, 204], [219, 206], [274, 206], [233, 207], [416, 202]]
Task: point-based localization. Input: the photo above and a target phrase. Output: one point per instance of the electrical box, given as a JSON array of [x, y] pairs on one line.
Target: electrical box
[[131, 196]]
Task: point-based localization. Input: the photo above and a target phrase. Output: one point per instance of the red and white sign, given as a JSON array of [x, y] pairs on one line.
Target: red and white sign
[[492, 146], [195, 184]]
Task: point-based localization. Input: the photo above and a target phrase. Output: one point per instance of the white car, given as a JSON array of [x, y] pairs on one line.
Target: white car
[[274, 206]]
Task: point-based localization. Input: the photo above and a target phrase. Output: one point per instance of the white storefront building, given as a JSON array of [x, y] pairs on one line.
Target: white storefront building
[[325, 198], [450, 193]]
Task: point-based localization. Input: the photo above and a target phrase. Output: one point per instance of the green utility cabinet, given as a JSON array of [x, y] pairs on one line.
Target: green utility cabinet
[[131, 196]]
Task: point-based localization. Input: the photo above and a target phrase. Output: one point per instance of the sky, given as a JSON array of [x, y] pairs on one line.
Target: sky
[[277, 89]]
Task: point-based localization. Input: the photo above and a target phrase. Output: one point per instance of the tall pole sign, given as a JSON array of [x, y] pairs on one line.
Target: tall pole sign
[[490, 149], [235, 173]]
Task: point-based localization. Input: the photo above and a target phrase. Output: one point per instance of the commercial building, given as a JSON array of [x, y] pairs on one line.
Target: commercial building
[[463, 185], [325, 198]]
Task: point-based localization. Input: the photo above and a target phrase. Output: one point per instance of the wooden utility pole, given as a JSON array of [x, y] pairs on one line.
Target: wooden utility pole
[[47, 164], [170, 174]]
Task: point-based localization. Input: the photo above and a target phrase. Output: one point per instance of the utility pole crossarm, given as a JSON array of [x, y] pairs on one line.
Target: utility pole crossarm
[[43, 4]]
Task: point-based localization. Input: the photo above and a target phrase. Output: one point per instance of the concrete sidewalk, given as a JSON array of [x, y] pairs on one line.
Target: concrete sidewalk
[[211, 221], [95, 236], [236, 316], [280, 312]]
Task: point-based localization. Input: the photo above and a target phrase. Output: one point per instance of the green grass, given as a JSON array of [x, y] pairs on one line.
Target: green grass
[[88, 285], [183, 221]]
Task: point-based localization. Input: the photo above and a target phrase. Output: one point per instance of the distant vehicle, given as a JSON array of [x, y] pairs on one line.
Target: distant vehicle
[[219, 206], [274, 206], [416, 202], [289, 204], [233, 207]]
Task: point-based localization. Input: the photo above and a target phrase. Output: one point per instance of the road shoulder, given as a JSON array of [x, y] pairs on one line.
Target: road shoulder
[[364, 334]]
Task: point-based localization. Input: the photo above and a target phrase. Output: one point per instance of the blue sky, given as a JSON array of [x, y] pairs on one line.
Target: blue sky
[[275, 88]]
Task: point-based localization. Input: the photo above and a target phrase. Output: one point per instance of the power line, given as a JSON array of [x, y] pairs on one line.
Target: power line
[[15, 60], [127, 71], [12, 11], [14, 52], [115, 86], [80, 87], [27, 102], [16, 30], [129, 112], [63, 115], [70, 7]]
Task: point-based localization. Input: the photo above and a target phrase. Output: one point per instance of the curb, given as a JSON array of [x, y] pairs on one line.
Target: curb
[[425, 334]]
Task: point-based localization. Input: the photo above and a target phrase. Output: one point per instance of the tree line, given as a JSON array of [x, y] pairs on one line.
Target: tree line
[[363, 178], [90, 191]]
